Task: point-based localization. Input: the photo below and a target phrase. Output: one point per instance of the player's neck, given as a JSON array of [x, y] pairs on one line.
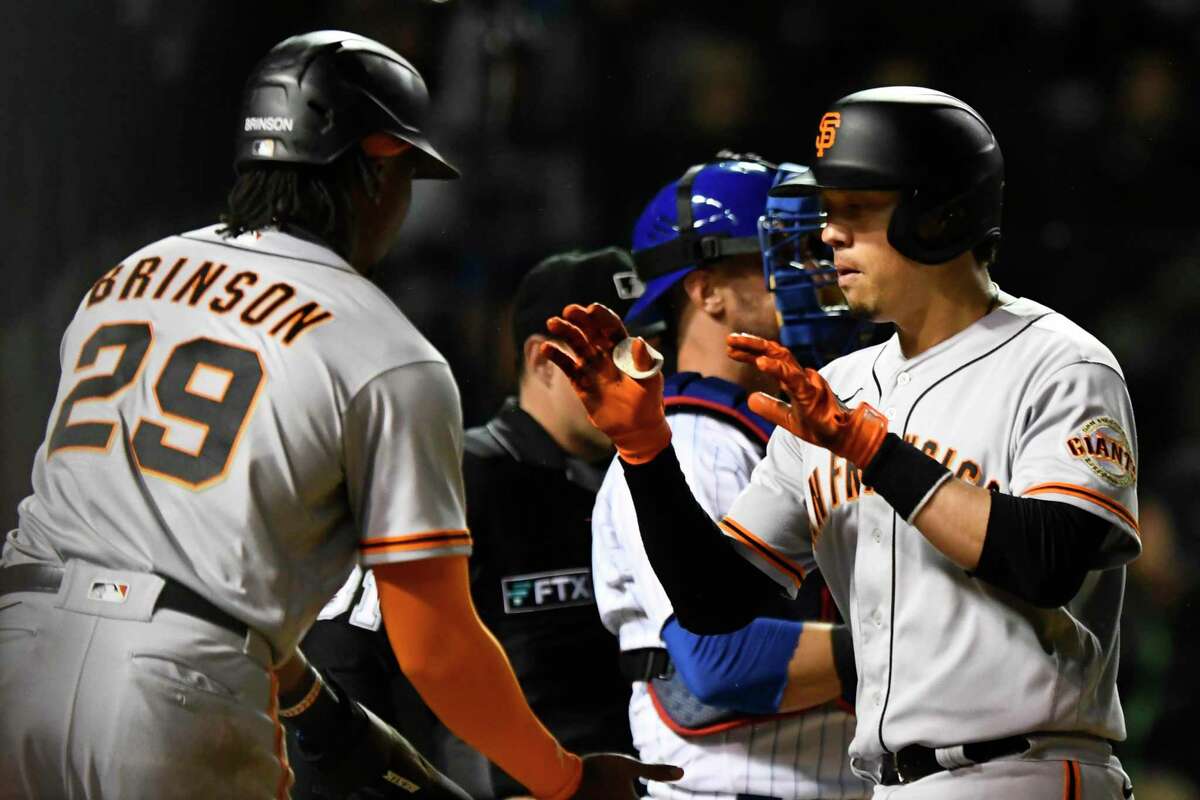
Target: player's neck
[[701, 348], [952, 303]]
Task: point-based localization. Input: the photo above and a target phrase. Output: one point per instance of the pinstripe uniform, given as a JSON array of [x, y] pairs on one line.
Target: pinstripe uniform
[[245, 418], [797, 756], [1022, 402]]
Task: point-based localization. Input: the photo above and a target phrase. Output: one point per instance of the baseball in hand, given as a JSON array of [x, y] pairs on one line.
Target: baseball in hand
[[622, 356]]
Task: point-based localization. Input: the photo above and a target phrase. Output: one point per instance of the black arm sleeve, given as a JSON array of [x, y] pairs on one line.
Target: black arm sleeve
[[713, 589], [843, 662], [1040, 550]]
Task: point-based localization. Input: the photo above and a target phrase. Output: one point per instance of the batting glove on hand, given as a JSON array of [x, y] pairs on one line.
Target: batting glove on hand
[[815, 414], [629, 410]]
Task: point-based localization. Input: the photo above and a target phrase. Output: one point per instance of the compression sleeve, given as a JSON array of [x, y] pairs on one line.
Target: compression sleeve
[[689, 554], [463, 675], [745, 670], [1040, 550]]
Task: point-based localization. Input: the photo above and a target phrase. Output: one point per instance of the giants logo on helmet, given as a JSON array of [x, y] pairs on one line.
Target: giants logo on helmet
[[827, 132], [270, 123]]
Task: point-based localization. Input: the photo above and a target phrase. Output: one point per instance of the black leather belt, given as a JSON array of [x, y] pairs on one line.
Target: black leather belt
[[916, 761], [174, 595], [644, 663]]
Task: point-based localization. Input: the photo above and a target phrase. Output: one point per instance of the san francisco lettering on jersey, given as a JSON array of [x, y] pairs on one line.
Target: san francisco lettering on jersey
[[842, 482], [188, 283]]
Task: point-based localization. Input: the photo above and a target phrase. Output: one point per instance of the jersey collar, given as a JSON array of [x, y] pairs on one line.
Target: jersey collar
[[271, 241], [981, 336]]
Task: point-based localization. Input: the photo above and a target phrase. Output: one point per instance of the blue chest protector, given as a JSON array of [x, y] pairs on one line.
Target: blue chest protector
[[714, 683]]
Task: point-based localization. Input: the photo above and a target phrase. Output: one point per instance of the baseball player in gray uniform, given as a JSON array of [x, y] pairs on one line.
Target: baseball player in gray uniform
[[967, 488], [242, 415]]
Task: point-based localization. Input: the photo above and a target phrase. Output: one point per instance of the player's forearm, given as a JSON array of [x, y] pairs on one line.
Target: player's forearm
[[812, 677], [462, 673], [689, 554], [955, 521], [294, 672], [1039, 550], [950, 513]]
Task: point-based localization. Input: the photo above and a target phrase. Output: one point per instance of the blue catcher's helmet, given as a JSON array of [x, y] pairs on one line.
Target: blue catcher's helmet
[[814, 320], [710, 212]]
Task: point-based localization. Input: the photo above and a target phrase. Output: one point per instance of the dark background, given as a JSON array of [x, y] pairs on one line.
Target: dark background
[[116, 123]]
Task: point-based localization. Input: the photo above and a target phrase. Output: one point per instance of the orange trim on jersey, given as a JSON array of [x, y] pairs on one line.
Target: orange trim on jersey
[[1078, 780], [1091, 495], [285, 778], [423, 540], [791, 569], [683, 400]]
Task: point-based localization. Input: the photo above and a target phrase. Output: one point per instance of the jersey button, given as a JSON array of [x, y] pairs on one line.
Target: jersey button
[[877, 535], [890, 412], [903, 378]]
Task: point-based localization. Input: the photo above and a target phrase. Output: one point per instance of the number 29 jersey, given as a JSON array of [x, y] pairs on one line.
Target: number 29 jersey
[[246, 416]]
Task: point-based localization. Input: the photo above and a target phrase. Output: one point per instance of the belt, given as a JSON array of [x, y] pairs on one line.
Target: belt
[[174, 595], [916, 761], [644, 663]]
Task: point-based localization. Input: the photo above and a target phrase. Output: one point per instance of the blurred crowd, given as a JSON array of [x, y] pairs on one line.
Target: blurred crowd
[[565, 115]]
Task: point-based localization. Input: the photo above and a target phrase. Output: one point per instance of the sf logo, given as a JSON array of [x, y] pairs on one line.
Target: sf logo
[[827, 132]]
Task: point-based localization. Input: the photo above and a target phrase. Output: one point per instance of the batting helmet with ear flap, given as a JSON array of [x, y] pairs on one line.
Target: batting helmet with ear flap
[[315, 95], [934, 149]]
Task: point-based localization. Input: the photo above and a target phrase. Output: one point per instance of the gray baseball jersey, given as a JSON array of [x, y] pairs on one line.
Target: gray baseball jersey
[[1023, 402], [796, 756], [246, 416]]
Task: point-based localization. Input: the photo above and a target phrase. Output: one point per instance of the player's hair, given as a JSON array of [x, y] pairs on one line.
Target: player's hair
[[314, 199]]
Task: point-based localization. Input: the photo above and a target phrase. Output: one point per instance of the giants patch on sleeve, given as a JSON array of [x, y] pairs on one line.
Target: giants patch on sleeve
[[1104, 447], [542, 591]]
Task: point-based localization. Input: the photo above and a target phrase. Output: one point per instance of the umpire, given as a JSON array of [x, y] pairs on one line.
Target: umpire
[[531, 474]]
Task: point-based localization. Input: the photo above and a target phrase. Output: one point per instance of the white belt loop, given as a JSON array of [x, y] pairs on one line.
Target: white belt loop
[[952, 757]]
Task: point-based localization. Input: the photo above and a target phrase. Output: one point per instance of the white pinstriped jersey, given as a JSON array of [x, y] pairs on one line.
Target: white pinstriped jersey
[[246, 416], [800, 756], [1024, 402]]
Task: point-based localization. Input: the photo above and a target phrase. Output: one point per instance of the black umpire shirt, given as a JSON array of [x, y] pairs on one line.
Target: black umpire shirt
[[529, 509]]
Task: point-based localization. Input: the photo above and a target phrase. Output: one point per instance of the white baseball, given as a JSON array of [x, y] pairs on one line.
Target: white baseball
[[623, 357]]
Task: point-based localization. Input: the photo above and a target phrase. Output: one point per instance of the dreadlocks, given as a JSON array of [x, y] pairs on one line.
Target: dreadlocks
[[315, 200]]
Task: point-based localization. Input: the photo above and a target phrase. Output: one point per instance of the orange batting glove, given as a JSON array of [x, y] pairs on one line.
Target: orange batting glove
[[629, 410], [816, 414]]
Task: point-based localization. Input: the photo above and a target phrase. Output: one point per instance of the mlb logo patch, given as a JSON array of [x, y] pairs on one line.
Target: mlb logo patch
[[108, 591], [263, 148]]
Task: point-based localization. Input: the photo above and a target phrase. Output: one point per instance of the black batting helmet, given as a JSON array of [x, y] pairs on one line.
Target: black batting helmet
[[315, 95], [935, 149]]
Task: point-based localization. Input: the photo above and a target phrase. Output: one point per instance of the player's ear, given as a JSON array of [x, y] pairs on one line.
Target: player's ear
[[700, 287]]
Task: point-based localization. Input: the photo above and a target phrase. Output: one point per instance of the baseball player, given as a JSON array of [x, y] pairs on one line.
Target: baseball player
[[968, 488], [241, 415], [530, 474], [738, 726]]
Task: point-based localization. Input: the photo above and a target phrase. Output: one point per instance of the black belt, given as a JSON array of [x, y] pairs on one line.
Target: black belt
[[644, 664], [916, 761], [174, 595]]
